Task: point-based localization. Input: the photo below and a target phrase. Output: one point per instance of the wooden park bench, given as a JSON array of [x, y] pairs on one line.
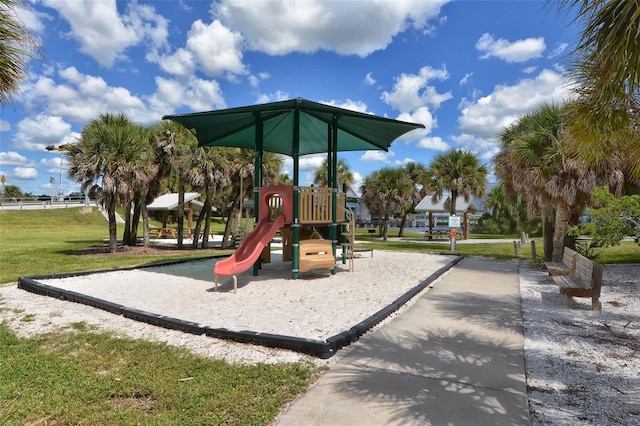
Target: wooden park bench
[[583, 280], [566, 267]]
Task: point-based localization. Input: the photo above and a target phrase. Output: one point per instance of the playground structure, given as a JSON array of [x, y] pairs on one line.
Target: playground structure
[[294, 127], [276, 215]]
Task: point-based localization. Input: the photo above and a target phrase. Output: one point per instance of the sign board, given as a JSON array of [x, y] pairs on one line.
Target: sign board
[[454, 221], [4, 179]]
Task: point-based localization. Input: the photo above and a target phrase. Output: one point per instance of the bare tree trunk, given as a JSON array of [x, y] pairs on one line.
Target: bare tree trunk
[[206, 213], [145, 225], [403, 223], [196, 230], [229, 224], [135, 220], [126, 235], [547, 234], [385, 227], [180, 213], [113, 235], [518, 203], [560, 232]]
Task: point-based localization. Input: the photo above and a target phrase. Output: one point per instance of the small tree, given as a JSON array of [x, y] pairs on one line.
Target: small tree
[[387, 192], [615, 217]]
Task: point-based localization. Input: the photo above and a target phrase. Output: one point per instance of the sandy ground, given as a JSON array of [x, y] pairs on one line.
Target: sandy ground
[[582, 367], [315, 306]]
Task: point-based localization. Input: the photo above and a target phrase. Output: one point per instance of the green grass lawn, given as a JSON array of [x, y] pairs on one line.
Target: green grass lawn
[[81, 376], [84, 377], [40, 242]]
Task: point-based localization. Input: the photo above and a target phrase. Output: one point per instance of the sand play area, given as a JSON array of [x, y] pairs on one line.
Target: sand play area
[[316, 306]]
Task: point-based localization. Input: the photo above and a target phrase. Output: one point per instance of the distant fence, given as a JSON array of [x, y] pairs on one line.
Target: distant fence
[[46, 205]]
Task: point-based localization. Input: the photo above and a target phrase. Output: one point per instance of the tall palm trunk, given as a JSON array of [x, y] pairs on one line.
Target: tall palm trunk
[[560, 232], [145, 225], [113, 236], [207, 218], [547, 233], [385, 227], [180, 213], [126, 234], [403, 223], [229, 224]]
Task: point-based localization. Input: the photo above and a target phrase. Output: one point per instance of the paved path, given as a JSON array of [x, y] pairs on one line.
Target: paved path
[[454, 358]]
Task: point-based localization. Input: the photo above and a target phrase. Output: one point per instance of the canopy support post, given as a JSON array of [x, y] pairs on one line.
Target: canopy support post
[[295, 226], [257, 181], [333, 152]]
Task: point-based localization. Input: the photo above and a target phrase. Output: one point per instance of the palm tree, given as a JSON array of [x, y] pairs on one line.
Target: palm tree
[[141, 189], [606, 66], [460, 173], [17, 45], [418, 174], [241, 181], [387, 192], [107, 160], [176, 146], [343, 173], [207, 171], [535, 159]]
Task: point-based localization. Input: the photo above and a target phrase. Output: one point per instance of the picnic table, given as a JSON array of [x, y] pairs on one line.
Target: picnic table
[[163, 232]]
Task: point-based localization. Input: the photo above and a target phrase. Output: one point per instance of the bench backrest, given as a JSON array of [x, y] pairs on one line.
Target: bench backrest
[[569, 257], [589, 272]]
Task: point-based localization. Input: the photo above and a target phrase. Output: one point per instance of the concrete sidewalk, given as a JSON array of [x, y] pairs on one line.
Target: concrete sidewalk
[[454, 358]]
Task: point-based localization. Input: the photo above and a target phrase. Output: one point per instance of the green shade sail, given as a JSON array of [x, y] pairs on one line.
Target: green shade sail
[[236, 127]]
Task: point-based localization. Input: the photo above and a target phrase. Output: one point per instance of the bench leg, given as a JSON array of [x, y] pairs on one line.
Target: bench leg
[[595, 304], [569, 300]]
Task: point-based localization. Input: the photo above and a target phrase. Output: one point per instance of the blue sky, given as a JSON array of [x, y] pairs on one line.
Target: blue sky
[[464, 69]]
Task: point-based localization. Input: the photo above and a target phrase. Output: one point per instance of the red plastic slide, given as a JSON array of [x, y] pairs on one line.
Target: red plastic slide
[[250, 248]]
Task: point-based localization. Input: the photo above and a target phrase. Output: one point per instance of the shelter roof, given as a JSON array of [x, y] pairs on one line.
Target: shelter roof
[[442, 205], [170, 201], [293, 127]]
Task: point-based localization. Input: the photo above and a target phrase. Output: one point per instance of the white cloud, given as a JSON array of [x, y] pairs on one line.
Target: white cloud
[[97, 27], [529, 70], [421, 115], [377, 156], [148, 25], [279, 27], [5, 126], [349, 104], [411, 91], [369, 80], [61, 98], [562, 47], [488, 115], [25, 173], [35, 133], [31, 19], [216, 48], [517, 51], [12, 158], [482, 119], [466, 78], [211, 48], [55, 164], [255, 79], [434, 142], [196, 93], [310, 163]]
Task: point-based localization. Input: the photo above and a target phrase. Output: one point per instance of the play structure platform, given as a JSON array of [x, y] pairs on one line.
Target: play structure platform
[[275, 214]]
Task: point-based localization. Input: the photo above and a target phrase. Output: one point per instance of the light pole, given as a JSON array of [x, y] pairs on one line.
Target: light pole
[[60, 149]]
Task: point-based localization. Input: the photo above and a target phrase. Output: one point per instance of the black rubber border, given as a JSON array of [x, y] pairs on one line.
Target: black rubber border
[[318, 348]]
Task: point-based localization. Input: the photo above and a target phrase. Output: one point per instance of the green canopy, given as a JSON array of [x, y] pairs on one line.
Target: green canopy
[[236, 127]]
